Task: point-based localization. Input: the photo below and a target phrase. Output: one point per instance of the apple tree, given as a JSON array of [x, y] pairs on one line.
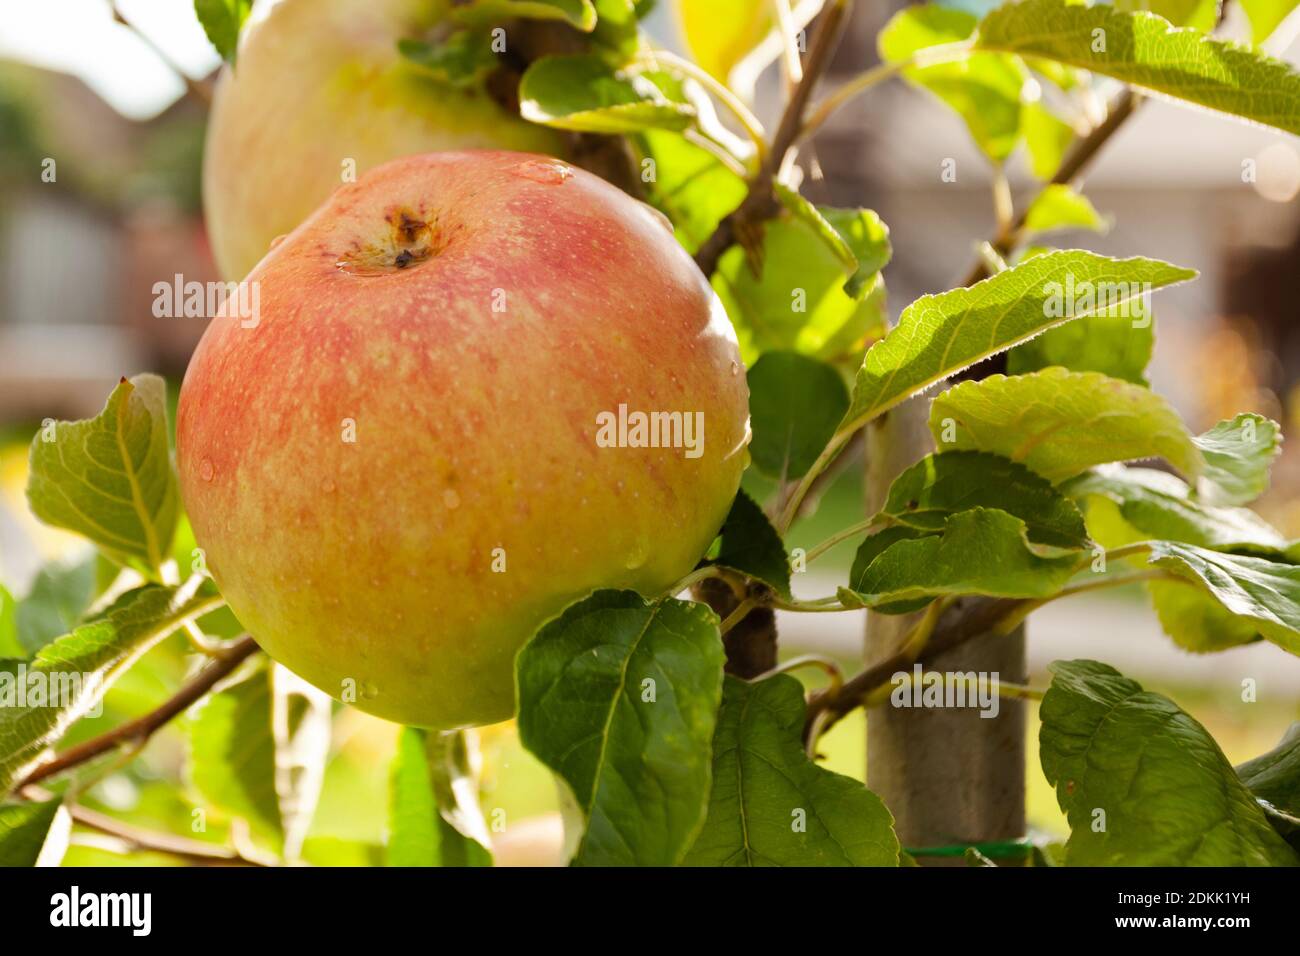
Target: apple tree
[[677, 734]]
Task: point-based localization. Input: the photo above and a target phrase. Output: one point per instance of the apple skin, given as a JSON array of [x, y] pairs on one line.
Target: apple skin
[[372, 562], [319, 82]]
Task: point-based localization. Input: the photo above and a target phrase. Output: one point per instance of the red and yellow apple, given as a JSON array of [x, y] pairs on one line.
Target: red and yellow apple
[[320, 93], [405, 462]]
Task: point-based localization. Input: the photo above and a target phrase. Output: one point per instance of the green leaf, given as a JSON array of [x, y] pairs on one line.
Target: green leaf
[[1144, 50], [1047, 137], [1060, 423], [1060, 207], [585, 94], [857, 237], [871, 548], [752, 546], [1195, 622], [619, 697], [1127, 505], [803, 210], [577, 13], [1274, 780], [337, 851], [1198, 14], [981, 551], [1109, 344], [222, 20], [930, 492], [9, 646], [771, 805], [689, 185], [58, 597], [79, 667], [1266, 16], [983, 89], [34, 834], [1238, 455], [258, 751], [461, 60], [1266, 593], [434, 819], [616, 26], [798, 302], [795, 402], [1169, 796], [939, 335], [1160, 506], [232, 755], [111, 478], [867, 237]]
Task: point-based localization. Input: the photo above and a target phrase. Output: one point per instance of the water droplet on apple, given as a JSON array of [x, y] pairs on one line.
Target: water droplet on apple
[[278, 239], [637, 557], [662, 219], [735, 368], [451, 499], [206, 471], [546, 172], [369, 690]]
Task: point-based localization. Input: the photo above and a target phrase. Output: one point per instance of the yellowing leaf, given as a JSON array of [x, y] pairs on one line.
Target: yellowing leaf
[[1060, 423]]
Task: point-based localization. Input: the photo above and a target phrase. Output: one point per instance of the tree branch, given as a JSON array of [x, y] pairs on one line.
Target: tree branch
[[1079, 157], [139, 840], [760, 202], [967, 618], [138, 731]]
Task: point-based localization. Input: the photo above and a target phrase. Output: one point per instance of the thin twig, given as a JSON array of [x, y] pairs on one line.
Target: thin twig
[[138, 731], [930, 56], [1076, 161], [791, 64], [738, 615], [966, 618], [760, 202], [139, 840], [198, 89], [134, 839], [825, 664], [658, 59]]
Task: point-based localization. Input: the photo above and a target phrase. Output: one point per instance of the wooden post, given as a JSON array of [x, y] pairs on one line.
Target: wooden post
[[949, 776]]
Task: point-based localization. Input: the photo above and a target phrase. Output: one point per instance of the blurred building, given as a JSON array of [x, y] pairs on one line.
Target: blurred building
[[95, 209]]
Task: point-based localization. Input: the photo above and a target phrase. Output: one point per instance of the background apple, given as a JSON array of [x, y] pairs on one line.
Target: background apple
[[465, 317], [318, 83]]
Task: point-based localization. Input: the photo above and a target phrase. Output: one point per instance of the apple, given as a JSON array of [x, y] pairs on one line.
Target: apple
[[318, 94], [432, 436]]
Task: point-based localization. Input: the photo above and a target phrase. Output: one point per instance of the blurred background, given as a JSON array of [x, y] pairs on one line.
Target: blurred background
[[102, 112]]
